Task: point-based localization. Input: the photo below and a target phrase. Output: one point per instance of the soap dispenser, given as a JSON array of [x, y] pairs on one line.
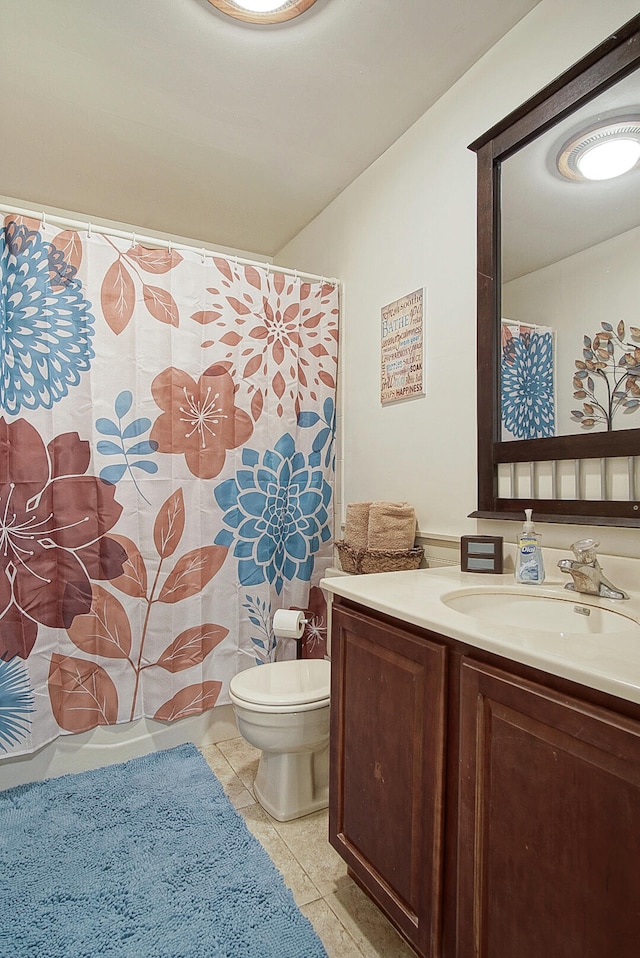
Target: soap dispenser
[[529, 563]]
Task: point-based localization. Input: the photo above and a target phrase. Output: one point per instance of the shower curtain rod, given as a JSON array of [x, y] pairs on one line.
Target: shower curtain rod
[[163, 243]]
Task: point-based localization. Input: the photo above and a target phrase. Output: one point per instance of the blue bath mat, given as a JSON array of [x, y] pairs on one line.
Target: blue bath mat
[[147, 859]]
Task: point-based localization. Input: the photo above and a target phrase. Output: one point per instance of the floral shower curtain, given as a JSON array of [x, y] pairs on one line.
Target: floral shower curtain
[[166, 469]]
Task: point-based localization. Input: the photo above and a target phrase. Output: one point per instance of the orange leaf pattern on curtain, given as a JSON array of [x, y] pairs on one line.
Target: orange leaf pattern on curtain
[[166, 473]]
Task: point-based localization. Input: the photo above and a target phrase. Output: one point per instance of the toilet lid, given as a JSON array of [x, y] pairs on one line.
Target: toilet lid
[[295, 682]]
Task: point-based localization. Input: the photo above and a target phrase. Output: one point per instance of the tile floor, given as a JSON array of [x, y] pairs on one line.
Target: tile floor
[[349, 925]]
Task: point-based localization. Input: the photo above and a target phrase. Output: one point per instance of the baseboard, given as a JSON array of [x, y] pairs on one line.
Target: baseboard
[[110, 744]]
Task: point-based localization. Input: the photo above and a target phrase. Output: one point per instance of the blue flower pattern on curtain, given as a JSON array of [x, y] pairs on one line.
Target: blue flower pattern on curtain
[[45, 322], [16, 703], [278, 506]]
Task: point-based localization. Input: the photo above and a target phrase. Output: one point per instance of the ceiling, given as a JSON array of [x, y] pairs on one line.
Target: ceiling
[[171, 116], [545, 217]]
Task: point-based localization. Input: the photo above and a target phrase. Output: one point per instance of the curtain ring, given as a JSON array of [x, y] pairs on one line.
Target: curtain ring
[[88, 230], [133, 239], [43, 221], [203, 255]]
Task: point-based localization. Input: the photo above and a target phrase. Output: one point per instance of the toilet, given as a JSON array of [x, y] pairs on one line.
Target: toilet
[[282, 708]]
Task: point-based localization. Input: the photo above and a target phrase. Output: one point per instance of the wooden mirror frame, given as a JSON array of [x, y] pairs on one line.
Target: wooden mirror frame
[[611, 61]]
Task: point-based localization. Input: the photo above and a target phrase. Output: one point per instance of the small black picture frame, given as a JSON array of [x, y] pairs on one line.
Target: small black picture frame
[[481, 554]]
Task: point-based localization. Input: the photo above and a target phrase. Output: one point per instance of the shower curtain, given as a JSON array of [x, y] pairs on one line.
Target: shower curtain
[[166, 472]]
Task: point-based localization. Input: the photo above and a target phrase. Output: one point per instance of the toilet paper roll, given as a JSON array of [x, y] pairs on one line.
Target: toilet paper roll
[[288, 624]]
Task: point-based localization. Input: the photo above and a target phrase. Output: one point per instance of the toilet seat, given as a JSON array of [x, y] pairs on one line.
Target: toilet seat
[[296, 685]]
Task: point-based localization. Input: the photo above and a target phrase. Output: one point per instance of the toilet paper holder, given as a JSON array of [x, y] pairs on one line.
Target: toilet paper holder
[[290, 624]]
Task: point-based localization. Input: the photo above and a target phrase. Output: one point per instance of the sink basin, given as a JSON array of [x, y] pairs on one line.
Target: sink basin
[[568, 613]]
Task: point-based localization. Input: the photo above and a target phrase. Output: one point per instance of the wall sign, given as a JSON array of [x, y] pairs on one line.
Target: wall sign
[[402, 348]]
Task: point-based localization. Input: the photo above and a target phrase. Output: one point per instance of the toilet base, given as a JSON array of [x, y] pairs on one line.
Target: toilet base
[[289, 785]]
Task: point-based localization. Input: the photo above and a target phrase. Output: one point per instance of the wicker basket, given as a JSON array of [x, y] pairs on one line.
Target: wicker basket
[[361, 562]]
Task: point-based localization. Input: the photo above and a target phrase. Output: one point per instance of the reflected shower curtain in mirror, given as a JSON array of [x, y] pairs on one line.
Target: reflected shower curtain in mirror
[[527, 381], [166, 473]]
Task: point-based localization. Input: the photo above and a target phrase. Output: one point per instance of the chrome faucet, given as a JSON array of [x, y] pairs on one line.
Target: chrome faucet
[[586, 573]]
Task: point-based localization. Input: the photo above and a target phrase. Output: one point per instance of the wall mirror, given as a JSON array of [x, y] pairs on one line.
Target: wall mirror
[[559, 298]]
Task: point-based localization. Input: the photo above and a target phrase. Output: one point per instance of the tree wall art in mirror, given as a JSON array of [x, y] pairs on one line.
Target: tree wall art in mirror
[[559, 297]]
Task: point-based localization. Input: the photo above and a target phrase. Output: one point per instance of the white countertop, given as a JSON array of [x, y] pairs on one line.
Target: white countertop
[[609, 662]]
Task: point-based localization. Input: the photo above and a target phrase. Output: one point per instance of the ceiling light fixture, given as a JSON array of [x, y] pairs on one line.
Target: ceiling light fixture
[[602, 152], [263, 11]]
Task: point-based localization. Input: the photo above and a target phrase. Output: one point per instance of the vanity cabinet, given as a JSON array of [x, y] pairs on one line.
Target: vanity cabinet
[[549, 823], [491, 810], [387, 769]]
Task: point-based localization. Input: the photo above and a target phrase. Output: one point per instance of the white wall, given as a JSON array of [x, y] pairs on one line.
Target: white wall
[[409, 221]]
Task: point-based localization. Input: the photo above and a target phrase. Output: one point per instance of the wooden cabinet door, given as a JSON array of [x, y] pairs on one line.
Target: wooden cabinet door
[[549, 823], [387, 767]]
